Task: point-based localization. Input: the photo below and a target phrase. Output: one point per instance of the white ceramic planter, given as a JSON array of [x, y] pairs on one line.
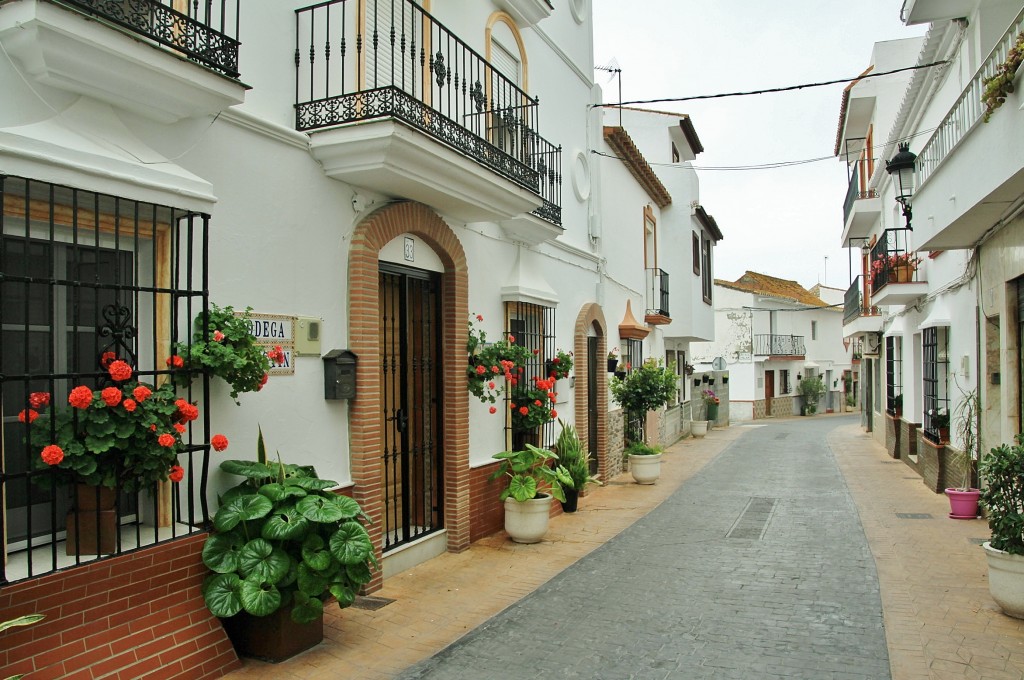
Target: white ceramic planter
[[699, 428], [645, 469], [1006, 580], [527, 521]]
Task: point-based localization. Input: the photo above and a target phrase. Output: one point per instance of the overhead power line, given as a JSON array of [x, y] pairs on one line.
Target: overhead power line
[[776, 89]]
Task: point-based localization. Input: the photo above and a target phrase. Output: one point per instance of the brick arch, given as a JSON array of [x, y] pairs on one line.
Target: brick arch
[[591, 315], [370, 235]]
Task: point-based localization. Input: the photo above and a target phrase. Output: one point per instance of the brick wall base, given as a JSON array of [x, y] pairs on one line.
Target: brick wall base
[[908, 444], [892, 436], [125, 617], [931, 462]]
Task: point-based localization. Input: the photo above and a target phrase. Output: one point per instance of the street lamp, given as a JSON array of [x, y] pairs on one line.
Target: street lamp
[[901, 167]]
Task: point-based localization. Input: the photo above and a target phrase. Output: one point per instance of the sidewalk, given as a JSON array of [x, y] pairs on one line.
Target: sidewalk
[[439, 601], [939, 619]]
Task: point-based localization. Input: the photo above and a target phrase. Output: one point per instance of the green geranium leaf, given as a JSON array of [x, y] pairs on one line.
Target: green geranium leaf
[[261, 559], [315, 553], [285, 524], [259, 597], [247, 468], [310, 582], [278, 492], [310, 483], [321, 509], [248, 507], [220, 552], [222, 593], [350, 544], [307, 609]]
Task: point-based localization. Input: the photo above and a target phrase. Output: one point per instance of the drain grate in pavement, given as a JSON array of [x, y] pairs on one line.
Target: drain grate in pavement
[[371, 602], [753, 521], [889, 462], [914, 515], [782, 435]]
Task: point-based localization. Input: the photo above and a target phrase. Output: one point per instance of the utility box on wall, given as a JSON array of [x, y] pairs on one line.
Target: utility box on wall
[[339, 374]]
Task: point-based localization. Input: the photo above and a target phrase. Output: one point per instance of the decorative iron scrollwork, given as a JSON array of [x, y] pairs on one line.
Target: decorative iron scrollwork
[[118, 327]]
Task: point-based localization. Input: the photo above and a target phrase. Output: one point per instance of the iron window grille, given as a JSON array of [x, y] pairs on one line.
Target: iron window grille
[[784, 387], [635, 429], [533, 327], [893, 375], [84, 275], [935, 382]]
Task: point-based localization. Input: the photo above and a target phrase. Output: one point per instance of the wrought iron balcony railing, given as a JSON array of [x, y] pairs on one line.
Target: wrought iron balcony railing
[[854, 192], [657, 292], [204, 31], [779, 345], [359, 60], [968, 110], [892, 261], [855, 302]]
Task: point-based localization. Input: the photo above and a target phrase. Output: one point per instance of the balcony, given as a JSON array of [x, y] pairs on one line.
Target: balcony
[[657, 298], [965, 193], [145, 56], [859, 317], [396, 103], [772, 345], [861, 208], [895, 277]]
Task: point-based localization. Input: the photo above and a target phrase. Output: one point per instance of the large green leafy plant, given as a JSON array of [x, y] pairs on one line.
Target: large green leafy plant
[[1003, 495], [573, 458], [531, 472], [646, 388], [283, 539], [811, 389]]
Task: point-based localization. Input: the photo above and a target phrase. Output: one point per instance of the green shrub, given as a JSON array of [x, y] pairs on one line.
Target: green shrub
[[1003, 496]]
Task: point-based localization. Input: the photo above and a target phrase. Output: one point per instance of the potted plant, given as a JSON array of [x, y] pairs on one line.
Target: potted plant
[[576, 462], [897, 405], [711, 402], [283, 544], [963, 499], [559, 366], [1000, 84], [613, 359], [1003, 497], [534, 477], [223, 346], [644, 462], [851, 401], [811, 390], [125, 437], [940, 423], [648, 387]]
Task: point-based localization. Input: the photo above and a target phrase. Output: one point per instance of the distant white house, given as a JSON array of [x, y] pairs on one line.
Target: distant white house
[[770, 333]]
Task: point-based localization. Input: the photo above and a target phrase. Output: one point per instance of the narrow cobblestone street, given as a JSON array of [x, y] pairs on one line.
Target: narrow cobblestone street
[[755, 567]]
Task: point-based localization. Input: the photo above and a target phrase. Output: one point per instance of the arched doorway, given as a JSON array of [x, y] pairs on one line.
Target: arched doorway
[[367, 298], [591, 348]]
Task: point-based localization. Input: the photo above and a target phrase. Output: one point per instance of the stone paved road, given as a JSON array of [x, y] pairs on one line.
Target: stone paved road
[[757, 567]]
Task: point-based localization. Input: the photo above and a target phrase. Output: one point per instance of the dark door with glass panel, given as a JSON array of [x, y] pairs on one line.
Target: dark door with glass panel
[[50, 331], [592, 412], [411, 434]]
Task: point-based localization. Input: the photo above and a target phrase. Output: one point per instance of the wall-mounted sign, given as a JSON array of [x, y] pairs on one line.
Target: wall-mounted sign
[[273, 330], [744, 357]]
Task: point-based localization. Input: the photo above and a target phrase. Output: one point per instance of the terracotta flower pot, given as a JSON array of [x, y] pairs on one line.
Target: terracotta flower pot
[[92, 524]]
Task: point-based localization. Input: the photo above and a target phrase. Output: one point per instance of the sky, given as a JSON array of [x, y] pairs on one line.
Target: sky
[[783, 222]]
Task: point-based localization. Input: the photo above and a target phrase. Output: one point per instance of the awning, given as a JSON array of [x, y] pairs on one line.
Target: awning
[[899, 326], [938, 315], [526, 283], [811, 364]]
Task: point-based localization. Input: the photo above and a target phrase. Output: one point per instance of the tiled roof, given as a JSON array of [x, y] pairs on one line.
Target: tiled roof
[[762, 284], [623, 145]]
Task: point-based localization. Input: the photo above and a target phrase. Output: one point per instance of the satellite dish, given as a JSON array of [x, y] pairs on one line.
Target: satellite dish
[[718, 364]]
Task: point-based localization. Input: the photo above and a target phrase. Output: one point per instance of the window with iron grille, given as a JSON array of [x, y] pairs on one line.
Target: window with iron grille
[[935, 371], [893, 375], [85, 277], [533, 327], [784, 381], [634, 354]]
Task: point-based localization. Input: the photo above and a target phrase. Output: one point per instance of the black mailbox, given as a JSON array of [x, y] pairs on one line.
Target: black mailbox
[[339, 374]]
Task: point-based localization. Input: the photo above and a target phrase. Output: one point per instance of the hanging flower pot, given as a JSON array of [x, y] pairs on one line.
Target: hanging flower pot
[[612, 363]]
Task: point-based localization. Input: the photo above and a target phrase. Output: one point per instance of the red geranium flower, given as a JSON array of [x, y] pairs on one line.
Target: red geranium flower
[[490, 385], [29, 415], [218, 336], [480, 370], [495, 369], [263, 381], [111, 396], [523, 410], [536, 402], [176, 474], [179, 428], [80, 397], [39, 399], [152, 428], [175, 361], [142, 393], [511, 338], [479, 317], [52, 454], [129, 405], [166, 440], [219, 442], [554, 414], [106, 358], [493, 409], [120, 371]]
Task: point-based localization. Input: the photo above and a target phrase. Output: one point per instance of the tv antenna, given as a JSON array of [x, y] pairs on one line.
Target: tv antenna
[[615, 71]]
